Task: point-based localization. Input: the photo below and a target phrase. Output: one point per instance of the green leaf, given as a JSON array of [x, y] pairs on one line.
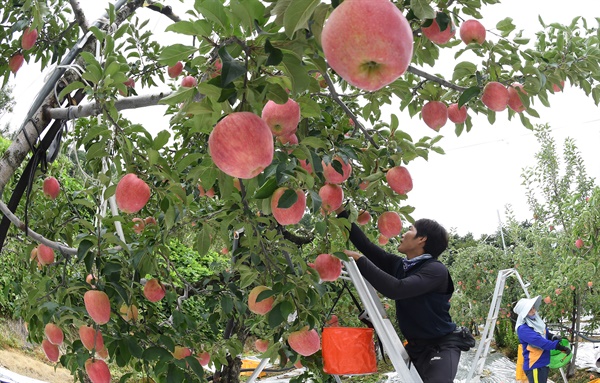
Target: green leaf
[[463, 70], [267, 189], [505, 26], [275, 54], [275, 316], [288, 198], [70, 88], [231, 70], [195, 28], [467, 95], [422, 9], [297, 72], [83, 248], [161, 139], [297, 15], [156, 353], [214, 10], [176, 52], [180, 95], [202, 244]]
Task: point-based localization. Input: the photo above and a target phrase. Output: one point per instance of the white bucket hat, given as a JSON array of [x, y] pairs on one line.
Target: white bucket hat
[[523, 306]]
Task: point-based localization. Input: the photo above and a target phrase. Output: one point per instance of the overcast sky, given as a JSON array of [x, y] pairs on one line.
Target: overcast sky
[[480, 174]]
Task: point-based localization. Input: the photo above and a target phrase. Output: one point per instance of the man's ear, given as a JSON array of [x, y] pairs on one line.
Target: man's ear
[[422, 240]]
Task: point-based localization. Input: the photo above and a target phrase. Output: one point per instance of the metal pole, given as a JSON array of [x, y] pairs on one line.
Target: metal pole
[[501, 231]]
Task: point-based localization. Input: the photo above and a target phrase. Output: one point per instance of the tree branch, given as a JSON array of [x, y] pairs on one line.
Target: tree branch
[[32, 234], [433, 78], [79, 16], [93, 109], [163, 9]]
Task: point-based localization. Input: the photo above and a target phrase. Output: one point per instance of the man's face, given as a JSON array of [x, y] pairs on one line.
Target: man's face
[[411, 245]]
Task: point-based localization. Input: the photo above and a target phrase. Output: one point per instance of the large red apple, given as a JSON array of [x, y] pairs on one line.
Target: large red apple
[[45, 255], [369, 43], [97, 305], [54, 334], [29, 38], [51, 350], [472, 31], [332, 175], [51, 187], [438, 36], [305, 342], [332, 197], [181, 352], [514, 101], [90, 338], [389, 224], [456, 114], [241, 145], [282, 119], [328, 266], [435, 114], [495, 96], [97, 370], [15, 62], [132, 193], [154, 291], [291, 215], [383, 240], [261, 307], [399, 179], [175, 70], [579, 243]]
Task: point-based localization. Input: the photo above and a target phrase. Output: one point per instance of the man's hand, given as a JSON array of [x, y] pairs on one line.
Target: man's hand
[[562, 348], [353, 254]]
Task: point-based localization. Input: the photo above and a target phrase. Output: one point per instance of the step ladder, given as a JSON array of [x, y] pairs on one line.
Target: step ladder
[[488, 331], [384, 328], [392, 345]]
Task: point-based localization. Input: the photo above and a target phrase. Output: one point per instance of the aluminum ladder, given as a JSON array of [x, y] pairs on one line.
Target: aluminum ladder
[[488, 331], [388, 337]]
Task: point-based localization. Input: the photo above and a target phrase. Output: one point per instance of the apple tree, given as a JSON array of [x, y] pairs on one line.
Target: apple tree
[[273, 107]]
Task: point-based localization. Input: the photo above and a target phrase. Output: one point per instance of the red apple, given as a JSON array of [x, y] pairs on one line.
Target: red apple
[[97, 305], [175, 70], [97, 370], [203, 358], [130, 83], [218, 65], [282, 119], [437, 36], [241, 145], [298, 364], [383, 240], [208, 193], [332, 175], [557, 88], [262, 345], [399, 179], [333, 321], [472, 31], [363, 185], [51, 350], [305, 342], [154, 291], [138, 225], [590, 284], [54, 334], [435, 114], [290, 215], [90, 338], [290, 139], [181, 352], [368, 43], [45, 255], [579, 243], [332, 197], [261, 307], [456, 115], [514, 101], [129, 312], [389, 224], [363, 218], [51, 187], [15, 62], [132, 193], [306, 166], [329, 267], [29, 38], [547, 300], [150, 221], [189, 82], [558, 291], [495, 96]]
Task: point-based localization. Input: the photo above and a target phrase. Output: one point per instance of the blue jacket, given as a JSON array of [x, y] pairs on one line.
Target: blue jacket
[[536, 348]]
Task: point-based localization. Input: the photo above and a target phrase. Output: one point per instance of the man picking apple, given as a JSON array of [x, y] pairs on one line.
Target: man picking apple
[[422, 287]]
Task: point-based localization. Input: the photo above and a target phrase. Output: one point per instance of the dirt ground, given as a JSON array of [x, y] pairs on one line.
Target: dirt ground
[[23, 364]]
